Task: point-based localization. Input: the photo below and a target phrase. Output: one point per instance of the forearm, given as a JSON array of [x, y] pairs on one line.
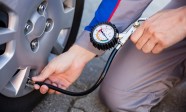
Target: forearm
[[81, 55]]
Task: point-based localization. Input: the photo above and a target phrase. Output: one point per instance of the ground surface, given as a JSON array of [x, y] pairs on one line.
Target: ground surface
[[91, 102]]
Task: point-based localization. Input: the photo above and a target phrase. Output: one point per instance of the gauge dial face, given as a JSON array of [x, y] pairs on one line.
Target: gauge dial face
[[103, 33]]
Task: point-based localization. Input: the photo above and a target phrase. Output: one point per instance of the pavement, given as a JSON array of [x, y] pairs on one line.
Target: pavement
[[91, 102]]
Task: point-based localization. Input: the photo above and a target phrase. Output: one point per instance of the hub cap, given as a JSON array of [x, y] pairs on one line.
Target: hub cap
[[33, 28]]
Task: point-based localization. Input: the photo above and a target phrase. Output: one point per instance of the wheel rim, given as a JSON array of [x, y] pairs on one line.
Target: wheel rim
[[34, 28]]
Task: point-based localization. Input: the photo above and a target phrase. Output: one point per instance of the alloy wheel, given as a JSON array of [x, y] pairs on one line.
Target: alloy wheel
[[29, 31]]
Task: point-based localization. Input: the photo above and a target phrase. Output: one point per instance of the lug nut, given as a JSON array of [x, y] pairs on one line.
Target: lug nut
[[42, 7], [28, 27], [34, 44], [48, 25]]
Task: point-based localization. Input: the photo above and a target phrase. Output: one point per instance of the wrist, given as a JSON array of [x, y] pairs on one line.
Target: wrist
[[81, 54]]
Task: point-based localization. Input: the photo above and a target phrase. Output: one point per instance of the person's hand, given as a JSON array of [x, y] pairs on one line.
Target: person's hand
[[63, 70], [161, 31]]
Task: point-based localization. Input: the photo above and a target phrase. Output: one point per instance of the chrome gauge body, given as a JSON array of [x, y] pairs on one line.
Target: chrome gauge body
[[103, 36]]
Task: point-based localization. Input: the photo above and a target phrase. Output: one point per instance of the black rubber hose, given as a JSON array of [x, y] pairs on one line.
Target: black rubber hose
[[98, 82]]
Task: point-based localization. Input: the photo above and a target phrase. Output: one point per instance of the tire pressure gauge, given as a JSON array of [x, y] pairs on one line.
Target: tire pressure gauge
[[104, 36]]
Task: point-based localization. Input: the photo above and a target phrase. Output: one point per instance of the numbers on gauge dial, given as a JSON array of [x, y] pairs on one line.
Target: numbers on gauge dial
[[103, 33]]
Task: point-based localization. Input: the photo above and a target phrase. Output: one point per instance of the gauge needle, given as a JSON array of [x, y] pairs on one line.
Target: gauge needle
[[104, 34]]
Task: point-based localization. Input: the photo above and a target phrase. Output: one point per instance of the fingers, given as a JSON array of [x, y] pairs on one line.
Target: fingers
[[137, 34], [44, 89], [141, 36], [142, 41], [145, 39], [53, 81], [59, 81], [46, 72], [149, 45], [59, 86], [42, 77], [157, 49], [36, 86], [51, 91], [145, 25]]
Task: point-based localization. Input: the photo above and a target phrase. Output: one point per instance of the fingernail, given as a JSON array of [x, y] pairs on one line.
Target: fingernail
[[33, 78], [44, 89], [36, 86]]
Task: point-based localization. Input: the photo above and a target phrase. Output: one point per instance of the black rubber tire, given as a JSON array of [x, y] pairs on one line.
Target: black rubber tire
[[28, 102], [21, 104], [75, 24]]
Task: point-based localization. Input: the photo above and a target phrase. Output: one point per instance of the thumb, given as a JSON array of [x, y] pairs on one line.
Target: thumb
[[46, 72], [137, 34]]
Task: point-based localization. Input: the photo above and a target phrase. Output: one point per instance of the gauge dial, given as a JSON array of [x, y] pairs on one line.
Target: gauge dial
[[103, 33], [103, 36]]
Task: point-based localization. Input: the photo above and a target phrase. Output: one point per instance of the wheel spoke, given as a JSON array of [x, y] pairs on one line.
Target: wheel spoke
[[16, 85], [6, 35], [61, 42], [19, 81], [9, 3], [6, 73], [57, 49], [69, 3], [67, 18], [65, 13]]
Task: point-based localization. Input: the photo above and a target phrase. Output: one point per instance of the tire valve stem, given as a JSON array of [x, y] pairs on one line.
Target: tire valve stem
[[30, 83]]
